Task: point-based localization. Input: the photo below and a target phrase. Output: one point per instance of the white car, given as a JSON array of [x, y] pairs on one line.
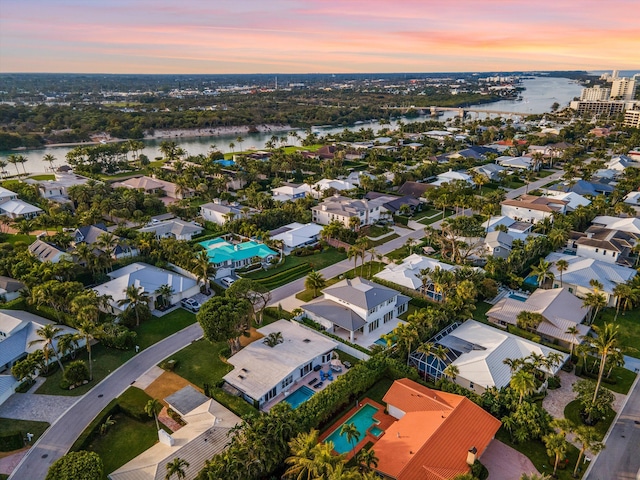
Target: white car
[[190, 304], [227, 281]]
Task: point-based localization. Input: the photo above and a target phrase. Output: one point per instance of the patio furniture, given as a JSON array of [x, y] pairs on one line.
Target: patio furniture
[[330, 377], [347, 365], [317, 367], [312, 381], [336, 368], [318, 385]]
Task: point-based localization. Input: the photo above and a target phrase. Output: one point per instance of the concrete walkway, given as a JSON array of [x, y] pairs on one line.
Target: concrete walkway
[[10, 462], [505, 463]]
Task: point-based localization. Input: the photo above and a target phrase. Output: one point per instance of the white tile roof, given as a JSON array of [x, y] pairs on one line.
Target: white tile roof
[[407, 273], [630, 225], [298, 234]]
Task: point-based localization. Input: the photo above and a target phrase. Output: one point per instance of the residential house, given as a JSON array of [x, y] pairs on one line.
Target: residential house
[[14, 208], [606, 245], [58, 190], [262, 372], [208, 428], [290, 192], [359, 309], [324, 185], [582, 270], [342, 209], [629, 225], [149, 279], [517, 230], [91, 235], [498, 244], [355, 177], [155, 186], [408, 274], [490, 170], [633, 199], [392, 204], [451, 176], [436, 435], [296, 235], [475, 152], [173, 228], [48, 252], [532, 209], [515, 163], [573, 199], [621, 162], [479, 351], [220, 212], [559, 308], [10, 288], [583, 187], [226, 257], [416, 190]]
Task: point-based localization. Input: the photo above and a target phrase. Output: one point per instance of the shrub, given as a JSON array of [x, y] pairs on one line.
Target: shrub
[[11, 441], [175, 416], [169, 365], [77, 466], [76, 373], [553, 382], [479, 471], [118, 337]]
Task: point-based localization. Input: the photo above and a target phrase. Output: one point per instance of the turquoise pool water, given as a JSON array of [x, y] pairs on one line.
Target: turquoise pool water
[[298, 397], [376, 432], [520, 298], [362, 419], [381, 341]]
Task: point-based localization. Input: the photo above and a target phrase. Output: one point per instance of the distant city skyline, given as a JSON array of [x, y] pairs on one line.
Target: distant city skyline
[[317, 36]]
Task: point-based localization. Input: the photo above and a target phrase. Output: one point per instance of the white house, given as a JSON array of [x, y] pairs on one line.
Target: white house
[[173, 228], [489, 170], [633, 199], [10, 288], [319, 188], [354, 177], [479, 351], [13, 207], [47, 252], [606, 245], [629, 225], [261, 372], [290, 191], [451, 176], [582, 270], [226, 257], [621, 162], [149, 278], [517, 230], [342, 209], [532, 209], [573, 199], [297, 235], [58, 190], [498, 244], [155, 186], [221, 212], [358, 308], [519, 163]]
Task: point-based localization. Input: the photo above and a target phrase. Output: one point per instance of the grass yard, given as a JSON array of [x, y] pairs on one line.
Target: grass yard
[[378, 390], [537, 453], [411, 309], [9, 425], [629, 324], [42, 177], [18, 237], [124, 441], [106, 360], [480, 313], [386, 239], [374, 231], [624, 378], [429, 221], [572, 412], [370, 269], [429, 212]]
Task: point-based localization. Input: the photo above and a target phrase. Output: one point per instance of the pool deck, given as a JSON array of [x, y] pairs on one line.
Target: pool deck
[[384, 420]]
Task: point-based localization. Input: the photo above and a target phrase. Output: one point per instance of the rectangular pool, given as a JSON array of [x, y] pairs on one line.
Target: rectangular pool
[[520, 298], [362, 419], [298, 397]]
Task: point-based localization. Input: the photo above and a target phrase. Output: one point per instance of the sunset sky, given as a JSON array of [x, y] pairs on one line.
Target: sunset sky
[[331, 36]]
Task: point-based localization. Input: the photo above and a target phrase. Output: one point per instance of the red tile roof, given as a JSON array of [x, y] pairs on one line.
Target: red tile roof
[[431, 441]]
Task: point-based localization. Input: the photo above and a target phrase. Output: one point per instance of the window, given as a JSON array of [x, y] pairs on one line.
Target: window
[[604, 252], [272, 393], [287, 381], [326, 357], [597, 250], [373, 325], [306, 369], [471, 385], [388, 316]]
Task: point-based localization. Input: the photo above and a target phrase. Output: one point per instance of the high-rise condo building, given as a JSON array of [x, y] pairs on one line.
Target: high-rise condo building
[[623, 89], [595, 94]]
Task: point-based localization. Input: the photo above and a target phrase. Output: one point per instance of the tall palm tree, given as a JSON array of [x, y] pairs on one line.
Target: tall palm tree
[[310, 459], [49, 158], [451, 371], [367, 459], [176, 467], [595, 301], [588, 439], [135, 299], [153, 408], [202, 268], [165, 292], [314, 281], [523, 383], [87, 330], [406, 335], [13, 160], [573, 331], [543, 272], [2, 170], [625, 296], [352, 433], [605, 341], [426, 349], [556, 447], [49, 335], [562, 266]]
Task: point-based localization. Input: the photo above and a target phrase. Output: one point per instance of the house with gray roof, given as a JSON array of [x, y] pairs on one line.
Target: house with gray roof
[[582, 270], [220, 212], [490, 170], [559, 308], [91, 235], [10, 288], [342, 209], [173, 228], [48, 252], [498, 244], [358, 309]]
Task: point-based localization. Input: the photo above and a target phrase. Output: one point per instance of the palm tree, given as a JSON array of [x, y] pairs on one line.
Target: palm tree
[[406, 334], [372, 255], [451, 371], [352, 433], [314, 281], [534, 476], [2, 170], [176, 467], [87, 330], [588, 439], [202, 268], [108, 422], [367, 459], [542, 271], [595, 301], [573, 331], [310, 459], [153, 408], [556, 447], [165, 292], [13, 160], [49, 158], [48, 334], [523, 382], [603, 344], [562, 266], [135, 298], [426, 349], [625, 295], [273, 339]]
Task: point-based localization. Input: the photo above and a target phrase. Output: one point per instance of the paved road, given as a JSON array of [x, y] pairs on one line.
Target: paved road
[[516, 192], [621, 459], [57, 440]]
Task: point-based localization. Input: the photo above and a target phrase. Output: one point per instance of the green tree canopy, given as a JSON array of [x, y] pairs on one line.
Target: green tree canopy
[[225, 319], [77, 466]]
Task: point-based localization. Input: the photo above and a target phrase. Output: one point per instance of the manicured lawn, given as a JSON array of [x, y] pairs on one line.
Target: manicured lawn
[[124, 441], [202, 363], [42, 177], [106, 360], [13, 238], [377, 391], [624, 378], [429, 221], [429, 212], [317, 262], [370, 269], [572, 412], [629, 329], [386, 239], [480, 313], [9, 425], [545, 173], [375, 231], [411, 309], [537, 453]]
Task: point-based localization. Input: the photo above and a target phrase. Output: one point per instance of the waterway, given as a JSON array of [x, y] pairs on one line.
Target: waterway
[[539, 95]]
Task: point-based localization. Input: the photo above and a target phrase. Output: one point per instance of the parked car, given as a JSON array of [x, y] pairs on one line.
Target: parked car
[[227, 281], [190, 304]]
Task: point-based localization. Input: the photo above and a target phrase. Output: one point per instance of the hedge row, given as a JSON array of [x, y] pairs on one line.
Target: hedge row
[[11, 441], [283, 277]]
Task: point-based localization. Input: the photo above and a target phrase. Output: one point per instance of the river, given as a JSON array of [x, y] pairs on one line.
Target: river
[[539, 96]]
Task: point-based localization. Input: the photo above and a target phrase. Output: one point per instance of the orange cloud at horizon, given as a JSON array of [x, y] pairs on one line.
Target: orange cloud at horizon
[[324, 36]]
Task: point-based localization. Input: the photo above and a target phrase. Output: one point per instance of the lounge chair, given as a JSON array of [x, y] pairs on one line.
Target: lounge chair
[[318, 385], [312, 381], [322, 375], [336, 368], [330, 377]]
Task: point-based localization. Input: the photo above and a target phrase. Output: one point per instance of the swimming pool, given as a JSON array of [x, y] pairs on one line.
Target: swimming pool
[[381, 341], [376, 431], [520, 298], [362, 419], [298, 397]]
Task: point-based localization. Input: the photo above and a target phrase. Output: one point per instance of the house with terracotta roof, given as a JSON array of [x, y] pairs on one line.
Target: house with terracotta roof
[[155, 186], [532, 209], [559, 308], [437, 435]]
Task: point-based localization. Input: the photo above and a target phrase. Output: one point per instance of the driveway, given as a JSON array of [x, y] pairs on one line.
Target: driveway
[[505, 463], [57, 440], [40, 408]]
